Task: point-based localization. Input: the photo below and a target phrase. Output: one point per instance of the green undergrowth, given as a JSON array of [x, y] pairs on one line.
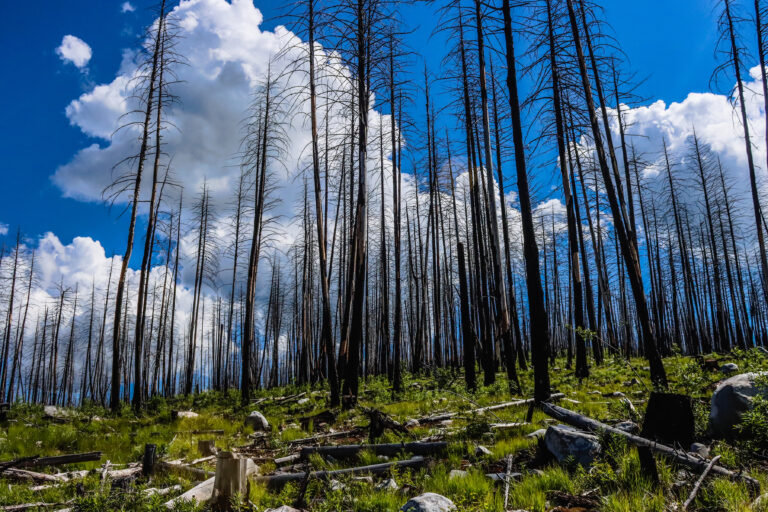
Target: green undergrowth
[[615, 482]]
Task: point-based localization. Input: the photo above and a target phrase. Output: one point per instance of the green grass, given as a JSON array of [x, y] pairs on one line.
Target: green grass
[[616, 479]]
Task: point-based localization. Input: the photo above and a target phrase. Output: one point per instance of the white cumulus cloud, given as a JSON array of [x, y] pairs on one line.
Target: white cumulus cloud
[[74, 50], [127, 7]]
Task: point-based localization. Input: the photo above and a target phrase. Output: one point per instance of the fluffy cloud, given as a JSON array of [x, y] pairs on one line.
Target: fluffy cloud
[[3, 229], [74, 50], [127, 7]]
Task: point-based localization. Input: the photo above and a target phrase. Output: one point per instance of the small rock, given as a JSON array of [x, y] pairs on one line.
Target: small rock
[[337, 486], [564, 442], [614, 394], [446, 423], [187, 414], [628, 426], [257, 421], [284, 508], [646, 368], [729, 368], [388, 485], [412, 423], [700, 449], [303, 401], [456, 473], [632, 382], [481, 451], [429, 502], [537, 434]]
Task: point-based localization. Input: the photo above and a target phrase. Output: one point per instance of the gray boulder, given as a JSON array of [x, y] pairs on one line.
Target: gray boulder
[[699, 449], [564, 442], [429, 502], [729, 368], [257, 421], [731, 399]]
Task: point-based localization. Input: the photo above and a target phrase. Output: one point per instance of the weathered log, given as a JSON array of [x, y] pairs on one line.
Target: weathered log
[[117, 474], [288, 459], [331, 435], [31, 462], [506, 426], [374, 469], [351, 450], [28, 506], [685, 459], [202, 459], [480, 410], [32, 476]]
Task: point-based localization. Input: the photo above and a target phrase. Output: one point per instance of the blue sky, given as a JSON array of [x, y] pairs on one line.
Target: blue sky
[[670, 43]]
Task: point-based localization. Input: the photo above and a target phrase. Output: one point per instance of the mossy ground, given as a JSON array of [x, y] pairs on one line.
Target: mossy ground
[[615, 482]]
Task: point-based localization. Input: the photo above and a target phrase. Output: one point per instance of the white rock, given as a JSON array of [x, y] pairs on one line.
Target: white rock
[[760, 504], [729, 368], [481, 451], [187, 414], [388, 485], [257, 421], [284, 508], [564, 442], [456, 473], [303, 401], [731, 399], [537, 434], [429, 502], [337, 486]]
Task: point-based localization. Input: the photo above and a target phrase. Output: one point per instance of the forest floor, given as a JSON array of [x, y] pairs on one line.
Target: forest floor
[[614, 483]]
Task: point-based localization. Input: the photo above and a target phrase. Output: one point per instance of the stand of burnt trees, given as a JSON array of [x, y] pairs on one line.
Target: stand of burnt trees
[[424, 240]]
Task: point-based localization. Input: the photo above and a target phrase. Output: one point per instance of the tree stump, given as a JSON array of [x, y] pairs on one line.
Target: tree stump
[[668, 420], [206, 447], [230, 480], [149, 459]]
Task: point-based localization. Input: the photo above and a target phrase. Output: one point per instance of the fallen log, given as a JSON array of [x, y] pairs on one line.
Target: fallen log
[[480, 410], [204, 490], [60, 459], [351, 450], [506, 426], [28, 506], [288, 459], [117, 474], [331, 435], [585, 423], [31, 476], [374, 469]]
